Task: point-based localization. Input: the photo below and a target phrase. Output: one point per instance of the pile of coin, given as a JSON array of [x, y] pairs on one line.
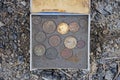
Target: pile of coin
[[54, 40]]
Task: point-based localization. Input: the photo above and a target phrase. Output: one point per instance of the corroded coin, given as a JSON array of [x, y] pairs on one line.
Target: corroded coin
[[74, 27], [51, 53], [70, 42], [49, 26], [66, 53], [36, 19], [81, 44], [54, 40], [63, 28], [40, 37], [39, 50]]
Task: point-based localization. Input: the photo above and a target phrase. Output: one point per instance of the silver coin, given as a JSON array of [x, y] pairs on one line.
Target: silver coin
[[40, 37], [51, 53]]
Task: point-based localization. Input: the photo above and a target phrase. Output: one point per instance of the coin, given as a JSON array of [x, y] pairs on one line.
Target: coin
[[39, 50], [63, 28], [66, 53], [36, 19], [81, 44], [54, 40], [51, 53], [74, 27], [40, 37], [70, 42], [49, 26]]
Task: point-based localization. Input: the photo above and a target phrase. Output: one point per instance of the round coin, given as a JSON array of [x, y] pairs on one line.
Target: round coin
[[36, 19], [63, 28], [66, 53], [39, 50], [54, 40], [51, 53], [49, 26], [70, 42], [81, 44], [40, 37], [74, 27]]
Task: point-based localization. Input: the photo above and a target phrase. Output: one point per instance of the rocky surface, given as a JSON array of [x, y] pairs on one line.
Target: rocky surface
[[14, 44]]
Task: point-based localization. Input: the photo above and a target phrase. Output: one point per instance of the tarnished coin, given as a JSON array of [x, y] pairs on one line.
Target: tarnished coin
[[74, 27], [36, 19], [66, 53], [39, 50], [70, 42], [51, 53], [81, 44], [49, 26], [40, 37], [63, 28], [54, 40]]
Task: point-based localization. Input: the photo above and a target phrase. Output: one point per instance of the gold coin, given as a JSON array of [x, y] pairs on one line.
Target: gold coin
[[70, 42], [63, 28]]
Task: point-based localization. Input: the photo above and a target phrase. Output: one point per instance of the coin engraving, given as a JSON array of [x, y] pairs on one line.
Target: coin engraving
[[54, 40], [40, 37], [51, 53], [66, 53], [74, 27], [49, 26], [39, 50], [70, 42], [63, 28]]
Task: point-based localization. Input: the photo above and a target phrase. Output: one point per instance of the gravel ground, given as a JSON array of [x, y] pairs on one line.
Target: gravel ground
[[14, 44]]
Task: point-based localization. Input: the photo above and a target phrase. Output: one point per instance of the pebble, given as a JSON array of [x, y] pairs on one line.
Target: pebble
[[1, 78], [109, 75], [23, 3], [20, 59], [34, 77], [1, 24]]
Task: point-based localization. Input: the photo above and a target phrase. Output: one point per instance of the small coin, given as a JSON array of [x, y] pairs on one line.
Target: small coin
[[74, 27], [49, 26], [36, 19], [51, 53], [40, 37], [66, 53], [63, 28], [39, 50], [54, 40], [81, 44], [70, 42]]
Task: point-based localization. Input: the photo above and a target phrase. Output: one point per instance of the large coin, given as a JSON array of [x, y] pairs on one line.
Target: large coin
[[70, 42], [63, 28], [40, 37], [74, 27], [49, 26], [36, 19], [54, 40], [51, 53], [66, 53], [39, 50], [81, 44]]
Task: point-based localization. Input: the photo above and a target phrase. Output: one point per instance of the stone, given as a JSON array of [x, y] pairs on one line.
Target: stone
[[109, 75], [1, 24]]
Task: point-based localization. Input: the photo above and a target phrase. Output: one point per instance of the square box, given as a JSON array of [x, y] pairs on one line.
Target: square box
[[59, 39]]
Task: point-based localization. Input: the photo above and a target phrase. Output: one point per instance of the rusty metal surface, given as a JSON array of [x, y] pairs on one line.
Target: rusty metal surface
[[57, 56]]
